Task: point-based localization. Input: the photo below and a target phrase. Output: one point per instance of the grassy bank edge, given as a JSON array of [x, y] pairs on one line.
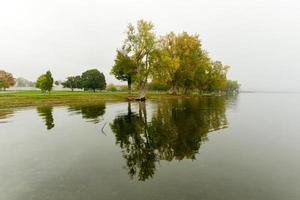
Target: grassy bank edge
[[36, 98]]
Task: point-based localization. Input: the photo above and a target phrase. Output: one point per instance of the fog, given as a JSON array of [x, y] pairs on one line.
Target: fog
[[258, 39]]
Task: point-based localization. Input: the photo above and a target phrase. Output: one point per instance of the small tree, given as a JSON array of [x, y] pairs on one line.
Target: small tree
[[72, 82], [93, 79], [6, 80], [57, 83], [45, 82], [232, 86], [124, 68], [111, 87]]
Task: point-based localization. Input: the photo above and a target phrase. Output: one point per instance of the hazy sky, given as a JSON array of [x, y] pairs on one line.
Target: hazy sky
[[259, 39]]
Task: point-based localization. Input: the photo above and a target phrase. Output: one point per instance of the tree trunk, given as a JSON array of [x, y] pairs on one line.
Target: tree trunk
[[94, 89], [129, 85], [129, 108], [173, 90], [200, 91], [186, 91], [143, 111], [142, 93]]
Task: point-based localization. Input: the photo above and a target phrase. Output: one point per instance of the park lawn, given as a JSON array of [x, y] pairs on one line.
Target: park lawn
[[36, 98]]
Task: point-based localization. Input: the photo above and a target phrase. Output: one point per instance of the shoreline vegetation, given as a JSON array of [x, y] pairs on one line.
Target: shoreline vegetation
[[175, 63], [11, 99]]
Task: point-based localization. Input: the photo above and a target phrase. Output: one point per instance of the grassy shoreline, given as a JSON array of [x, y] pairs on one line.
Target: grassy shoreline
[[36, 98]]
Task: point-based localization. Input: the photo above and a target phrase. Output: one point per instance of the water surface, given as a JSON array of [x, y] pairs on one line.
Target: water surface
[[241, 147]]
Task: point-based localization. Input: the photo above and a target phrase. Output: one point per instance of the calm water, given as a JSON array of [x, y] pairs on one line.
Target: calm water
[[243, 147]]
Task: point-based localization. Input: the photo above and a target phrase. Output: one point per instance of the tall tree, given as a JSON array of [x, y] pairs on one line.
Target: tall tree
[[191, 56], [93, 79], [45, 82], [6, 80], [72, 82], [167, 62], [124, 68], [140, 44], [181, 61]]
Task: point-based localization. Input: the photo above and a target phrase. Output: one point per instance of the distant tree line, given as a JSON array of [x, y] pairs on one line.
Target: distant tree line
[[89, 80], [22, 82]]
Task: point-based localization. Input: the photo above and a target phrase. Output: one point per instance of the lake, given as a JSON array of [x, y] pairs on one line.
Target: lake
[[238, 147]]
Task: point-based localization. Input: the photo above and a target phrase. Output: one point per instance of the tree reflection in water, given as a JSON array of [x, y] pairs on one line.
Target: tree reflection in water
[[176, 131], [91, 112], [5, 113], [46, 113]]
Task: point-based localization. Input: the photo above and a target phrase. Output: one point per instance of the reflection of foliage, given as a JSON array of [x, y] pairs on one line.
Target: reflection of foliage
[[90, 111], [46, 113], [131, 135], [5, 113], [176, 131]]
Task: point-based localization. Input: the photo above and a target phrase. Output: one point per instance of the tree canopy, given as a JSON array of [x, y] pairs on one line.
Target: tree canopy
[[175, 61], [45, 82], [124, 68], [232, 86], [73, 82], [6, 80], [93, 79], [140, 43]]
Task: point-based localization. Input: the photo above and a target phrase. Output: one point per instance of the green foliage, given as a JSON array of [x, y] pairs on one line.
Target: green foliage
[[140, 43], [124, 68], [45, 82], [73, 82], [181, 62], [46, 113], [217, 77], [157, 86], [93, 79], [91, 112], [3, 83], [111, 87], [122, 88], [232, 86], [176, 61], [175, 131]]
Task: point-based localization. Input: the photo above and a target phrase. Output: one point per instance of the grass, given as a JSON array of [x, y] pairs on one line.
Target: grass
[[36, 98]]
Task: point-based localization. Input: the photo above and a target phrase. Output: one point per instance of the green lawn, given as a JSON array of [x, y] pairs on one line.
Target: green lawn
[[39, 94], [28, 98]]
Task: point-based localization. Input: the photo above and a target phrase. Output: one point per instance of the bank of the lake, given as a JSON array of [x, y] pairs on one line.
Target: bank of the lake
[[36, 98]]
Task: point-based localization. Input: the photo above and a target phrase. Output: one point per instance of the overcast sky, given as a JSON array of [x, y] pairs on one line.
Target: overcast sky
[[259, 39]]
